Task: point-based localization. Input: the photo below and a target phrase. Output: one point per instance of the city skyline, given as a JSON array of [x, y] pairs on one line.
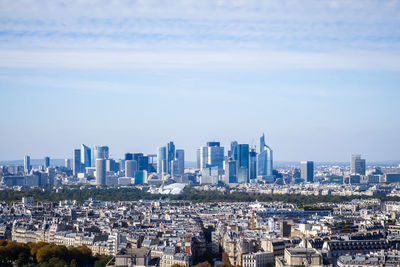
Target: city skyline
[[199, 133], [122, 155], [320, 78]]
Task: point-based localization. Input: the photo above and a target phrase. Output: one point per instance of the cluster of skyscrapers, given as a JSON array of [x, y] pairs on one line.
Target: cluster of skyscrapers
[[241, 165], [170, 161], [99, 162]]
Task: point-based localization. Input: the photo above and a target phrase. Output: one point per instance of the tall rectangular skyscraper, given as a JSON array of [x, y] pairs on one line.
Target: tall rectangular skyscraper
[[86, 156], [180, 157], [232, 153], [161, 160], [212, 155], [130, 168], [76, 162], [67, 163], [357, 165], [203, 157], [100, 152], [142, 161], [265, 162], [243, 163], [27, 163], [230, 171], [198, 158], [253, 164], [101, 172], [170, 156], [307, 171], [46, 162]]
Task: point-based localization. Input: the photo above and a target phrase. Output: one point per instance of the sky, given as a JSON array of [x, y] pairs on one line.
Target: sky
[[320, 78]]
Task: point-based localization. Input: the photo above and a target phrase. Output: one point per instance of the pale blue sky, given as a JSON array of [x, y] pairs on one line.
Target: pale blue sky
[[320, 78]]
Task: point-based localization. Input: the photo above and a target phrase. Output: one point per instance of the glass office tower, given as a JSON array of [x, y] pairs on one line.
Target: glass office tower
[[86, 156]]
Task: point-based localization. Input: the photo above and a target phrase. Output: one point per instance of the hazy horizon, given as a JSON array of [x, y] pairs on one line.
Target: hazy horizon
[[319, 78]]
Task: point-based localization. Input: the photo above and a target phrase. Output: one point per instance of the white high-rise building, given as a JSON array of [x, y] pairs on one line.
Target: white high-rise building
[[130, 168], [101, 173]]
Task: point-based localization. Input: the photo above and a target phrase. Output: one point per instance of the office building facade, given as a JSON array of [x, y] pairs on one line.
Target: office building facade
[[265, 162], [100, 152], [253, 164], [307, 171], [27, 163], [101, 173], [162, 160], [212, 155], [130, 168], [170, 155], [46, 162], [357, 165], [243, 163], [86, 156], [180, 158], [76, 162], [230, 171]]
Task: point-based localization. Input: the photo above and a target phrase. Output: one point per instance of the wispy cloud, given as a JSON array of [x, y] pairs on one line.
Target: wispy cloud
[[268, 60], [285, 34]]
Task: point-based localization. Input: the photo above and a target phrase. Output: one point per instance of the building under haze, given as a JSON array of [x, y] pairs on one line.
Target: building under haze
[[130, 168], [198, 158], [128, 156], [212, 155], [230, 171], [162, 160], [232, 153], [86, 156], [100, 152], [243, 163], [140, 177], [307, 171], [142, 161], [46, 162], [101, 173], [253, 164], [265, 162], [170, 156], [76, 162], [67, 163], [180, 162], [27, 163], [357, 165]]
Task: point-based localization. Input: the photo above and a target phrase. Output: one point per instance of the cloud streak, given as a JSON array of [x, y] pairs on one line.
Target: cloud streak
[[285, 34], [245, 60]]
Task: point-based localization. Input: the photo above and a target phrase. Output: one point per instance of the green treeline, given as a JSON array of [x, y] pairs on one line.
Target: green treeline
[[189, 193], [46, 255]]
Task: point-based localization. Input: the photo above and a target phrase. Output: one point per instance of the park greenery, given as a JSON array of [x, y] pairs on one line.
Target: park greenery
[[45, 255], [189, 194]]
